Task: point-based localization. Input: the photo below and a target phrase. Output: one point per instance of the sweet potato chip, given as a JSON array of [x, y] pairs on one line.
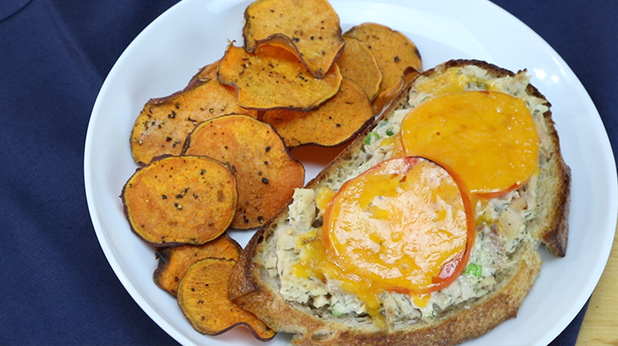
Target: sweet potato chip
[[266, 174], [272, 77], [180, 200], [310, 28], [174, 261], [202, 296], [334, 122], [164, 123], [358, 63], [397, 56], [205, 73]]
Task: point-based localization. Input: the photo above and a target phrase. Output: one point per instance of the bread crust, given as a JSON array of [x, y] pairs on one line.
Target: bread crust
[[253, 289]]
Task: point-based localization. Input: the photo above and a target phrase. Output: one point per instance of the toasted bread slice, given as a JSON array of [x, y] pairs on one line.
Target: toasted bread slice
[[319, 313]]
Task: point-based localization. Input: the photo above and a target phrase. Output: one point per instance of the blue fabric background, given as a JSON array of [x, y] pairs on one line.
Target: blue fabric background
[[56, 287]]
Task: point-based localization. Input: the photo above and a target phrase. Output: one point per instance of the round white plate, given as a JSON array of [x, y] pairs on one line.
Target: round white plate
[[193, 33]]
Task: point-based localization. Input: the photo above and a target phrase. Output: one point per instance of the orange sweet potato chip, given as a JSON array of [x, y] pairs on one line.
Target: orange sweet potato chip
[[337, 120], [396, 55], [174, 261], [176, 200], [272, 77], [205, 73], [310, 28], [266, 174], [164, 123], [358, 63], [202, 296]]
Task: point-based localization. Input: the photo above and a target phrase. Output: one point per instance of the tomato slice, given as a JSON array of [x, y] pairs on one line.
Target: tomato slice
[[404, 225]]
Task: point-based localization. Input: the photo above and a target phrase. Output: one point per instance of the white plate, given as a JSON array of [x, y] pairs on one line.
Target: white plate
[[193, 33]]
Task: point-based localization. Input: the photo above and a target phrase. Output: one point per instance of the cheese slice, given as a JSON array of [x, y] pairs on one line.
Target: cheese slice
[[487, 137]]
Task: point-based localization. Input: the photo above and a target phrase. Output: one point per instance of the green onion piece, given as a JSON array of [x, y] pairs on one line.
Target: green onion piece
[[474, 270], [337, 314], [389, 132], [371, 137]]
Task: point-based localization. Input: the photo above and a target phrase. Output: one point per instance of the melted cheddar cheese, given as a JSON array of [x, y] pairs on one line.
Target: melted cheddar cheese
[[488, 138]]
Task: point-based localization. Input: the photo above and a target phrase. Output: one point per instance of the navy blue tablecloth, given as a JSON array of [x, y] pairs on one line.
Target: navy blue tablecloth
[[56, 287]]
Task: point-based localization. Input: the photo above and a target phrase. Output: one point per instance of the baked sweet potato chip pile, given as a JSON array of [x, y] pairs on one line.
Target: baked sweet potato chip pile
[[216, 154], [266, 173]]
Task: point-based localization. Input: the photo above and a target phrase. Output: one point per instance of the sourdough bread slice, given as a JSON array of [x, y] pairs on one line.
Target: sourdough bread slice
[[319, 313]]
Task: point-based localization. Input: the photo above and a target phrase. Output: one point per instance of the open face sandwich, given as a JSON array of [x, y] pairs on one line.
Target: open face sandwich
[[331, 274]]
